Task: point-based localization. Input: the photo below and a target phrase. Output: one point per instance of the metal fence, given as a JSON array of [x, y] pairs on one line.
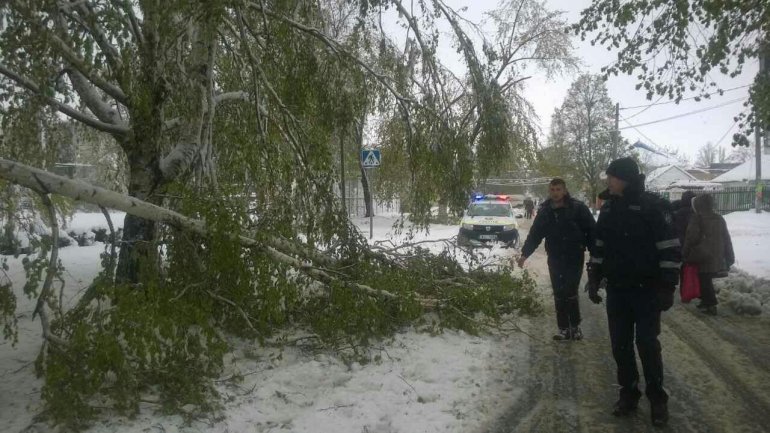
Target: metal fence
[[728, 200], [356, 206]]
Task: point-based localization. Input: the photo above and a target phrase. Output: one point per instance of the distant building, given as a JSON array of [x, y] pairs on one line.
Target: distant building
[[663, 177], [701, 174], [745, 174]]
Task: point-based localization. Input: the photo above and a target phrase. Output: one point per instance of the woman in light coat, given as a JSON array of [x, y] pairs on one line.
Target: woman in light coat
[[707, 243]]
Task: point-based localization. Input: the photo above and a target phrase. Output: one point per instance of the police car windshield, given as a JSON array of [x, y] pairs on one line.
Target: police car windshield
[[489, 209]]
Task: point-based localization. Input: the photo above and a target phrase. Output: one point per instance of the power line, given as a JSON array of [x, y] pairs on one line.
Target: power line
[[683, 99], [644, 109], [683, 114], [726, 132], [642, 134]]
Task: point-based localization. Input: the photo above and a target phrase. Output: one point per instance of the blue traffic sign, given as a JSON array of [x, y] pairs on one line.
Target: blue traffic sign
[[370, 158]]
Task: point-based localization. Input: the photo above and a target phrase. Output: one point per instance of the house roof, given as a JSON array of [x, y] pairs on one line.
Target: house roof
[[746, 171], [662, 170], [723, 165], [702, 174]]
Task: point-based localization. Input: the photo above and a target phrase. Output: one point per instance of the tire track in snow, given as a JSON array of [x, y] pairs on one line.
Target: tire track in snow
[[571, 387], [712, 379], [747, 340]]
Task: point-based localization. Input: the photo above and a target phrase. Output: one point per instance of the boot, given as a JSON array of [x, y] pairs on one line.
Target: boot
[[659, 413], [564, 334], [701, 305], [711, 310], [577, 334], [627, 402]]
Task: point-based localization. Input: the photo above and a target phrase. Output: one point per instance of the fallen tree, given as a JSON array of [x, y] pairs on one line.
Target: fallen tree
[[167, 334]]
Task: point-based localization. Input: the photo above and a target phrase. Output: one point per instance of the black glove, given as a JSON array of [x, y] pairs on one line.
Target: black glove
[[592, 286], [665, 295], [593, 291]]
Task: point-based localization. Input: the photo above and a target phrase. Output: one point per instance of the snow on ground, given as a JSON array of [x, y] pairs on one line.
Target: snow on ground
[[416, 382], [452, 382], [86, 222], [750, 233], [437, 238], [19, 389], [747, 289]]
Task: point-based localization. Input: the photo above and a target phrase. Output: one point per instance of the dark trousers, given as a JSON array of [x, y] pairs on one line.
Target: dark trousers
[[528, 213], [632, 312], [707, 294], [565, 279]]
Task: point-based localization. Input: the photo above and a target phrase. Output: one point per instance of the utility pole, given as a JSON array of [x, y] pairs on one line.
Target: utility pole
[[617, 132], [758, 133], [342, 172]]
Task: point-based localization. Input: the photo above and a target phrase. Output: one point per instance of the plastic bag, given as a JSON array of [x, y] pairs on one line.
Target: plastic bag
[[690, 282]]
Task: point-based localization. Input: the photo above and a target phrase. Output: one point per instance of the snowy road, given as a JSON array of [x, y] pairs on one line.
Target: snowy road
[[717, 374], [717, 370]]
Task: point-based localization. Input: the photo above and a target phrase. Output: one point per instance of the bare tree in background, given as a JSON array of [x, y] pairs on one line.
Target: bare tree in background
[[710, 153]]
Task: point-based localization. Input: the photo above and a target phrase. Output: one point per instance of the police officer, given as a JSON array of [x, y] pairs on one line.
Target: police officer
[[567, 226], [638, 253]]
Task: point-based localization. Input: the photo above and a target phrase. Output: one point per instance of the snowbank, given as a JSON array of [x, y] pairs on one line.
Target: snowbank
[[90, 222], [82, 229], [747, 289], [750, 233], [744, 293]]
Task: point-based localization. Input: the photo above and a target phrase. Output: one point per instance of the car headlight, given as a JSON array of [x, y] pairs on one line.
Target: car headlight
[[467, 226], [509, 227]]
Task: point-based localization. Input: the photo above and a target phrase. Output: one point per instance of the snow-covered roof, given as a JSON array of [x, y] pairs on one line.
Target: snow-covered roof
[[661, 170], [746, 171], [695, 184]]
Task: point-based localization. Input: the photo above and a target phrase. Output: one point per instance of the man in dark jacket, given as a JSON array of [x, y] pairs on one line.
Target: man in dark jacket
[[529, 207], [638, 253], [567, 226]]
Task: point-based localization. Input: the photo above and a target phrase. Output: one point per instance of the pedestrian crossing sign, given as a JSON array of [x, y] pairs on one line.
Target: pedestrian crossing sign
[[370, 158]]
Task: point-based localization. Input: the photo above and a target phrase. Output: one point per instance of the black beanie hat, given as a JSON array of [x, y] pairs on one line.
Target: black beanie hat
[[624, 169]]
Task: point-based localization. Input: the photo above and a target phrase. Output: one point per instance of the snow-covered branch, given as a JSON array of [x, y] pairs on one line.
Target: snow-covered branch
[[93, 100], [53, 260], [178, 160], [62, 107], [40, 180], [232, 96], [89, 22], [79, 64]]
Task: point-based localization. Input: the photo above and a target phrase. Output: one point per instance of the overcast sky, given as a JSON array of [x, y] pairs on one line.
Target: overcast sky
[[687, 134]]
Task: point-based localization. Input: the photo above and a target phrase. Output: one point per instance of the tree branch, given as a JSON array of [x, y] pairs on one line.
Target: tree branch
[[36, 179], [80, 64], [338, 49], [63, 108], [134, 24], [45, 292], [96, 31], [239, 95], [93, 100]]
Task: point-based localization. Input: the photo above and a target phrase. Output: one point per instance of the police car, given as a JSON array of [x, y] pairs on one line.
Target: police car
[[489, 218]]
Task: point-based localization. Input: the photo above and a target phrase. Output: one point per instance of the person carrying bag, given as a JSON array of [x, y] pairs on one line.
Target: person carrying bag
[[708, 245]]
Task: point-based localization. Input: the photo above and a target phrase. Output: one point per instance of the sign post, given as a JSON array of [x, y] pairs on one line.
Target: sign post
[[370, 159]]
